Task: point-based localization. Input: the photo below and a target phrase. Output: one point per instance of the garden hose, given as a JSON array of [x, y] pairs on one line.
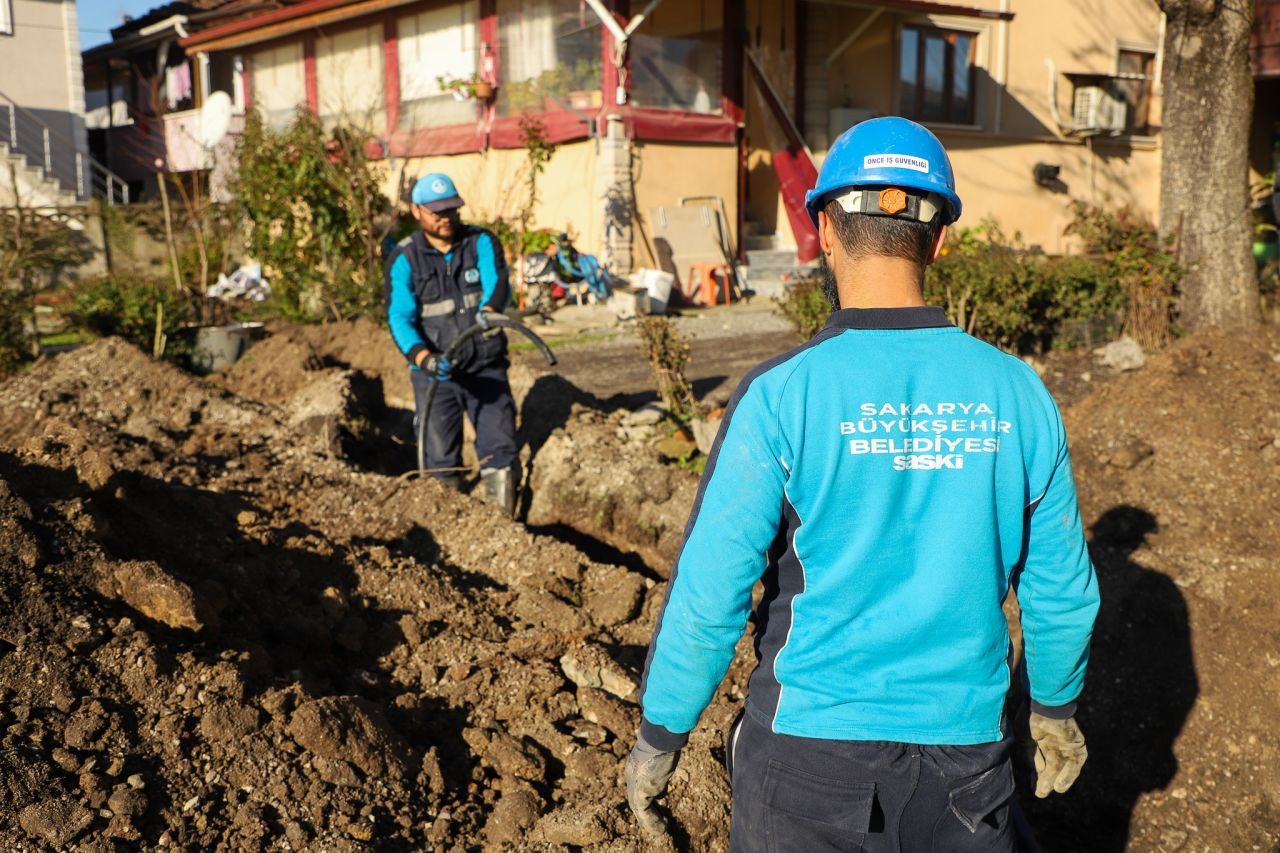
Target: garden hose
[[492, 321]]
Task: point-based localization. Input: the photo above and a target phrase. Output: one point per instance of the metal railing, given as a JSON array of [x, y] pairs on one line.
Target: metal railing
[[56, 156]]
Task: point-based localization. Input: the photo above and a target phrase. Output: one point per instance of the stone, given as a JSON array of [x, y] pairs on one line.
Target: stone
[[512, 817], [589, 665], [336, 772], [349, 728], [86, 725], [127, 801], [509, 757], [601, 708], [571, 827], [58, 821], [612, 595], [1129, 454], [1124, 354], [229, 722], [704, 433], [677, 447], [646, 415], [147, 588]]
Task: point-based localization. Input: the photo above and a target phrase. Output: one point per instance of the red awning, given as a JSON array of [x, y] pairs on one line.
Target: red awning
[[283, 22], [924, 7]]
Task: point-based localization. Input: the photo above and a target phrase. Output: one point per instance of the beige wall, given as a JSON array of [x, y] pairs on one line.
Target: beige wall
[[1014, 125], [493, 185], [665, 172]]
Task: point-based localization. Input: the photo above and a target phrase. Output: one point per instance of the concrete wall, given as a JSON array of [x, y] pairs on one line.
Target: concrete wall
[[41, 62], [493, 185], [1014, 125], [664, 172]]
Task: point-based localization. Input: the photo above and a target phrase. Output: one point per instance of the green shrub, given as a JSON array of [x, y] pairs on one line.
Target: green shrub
[[313, 204], [804, 305], [1138, 261], [991, 287], [127, 308]]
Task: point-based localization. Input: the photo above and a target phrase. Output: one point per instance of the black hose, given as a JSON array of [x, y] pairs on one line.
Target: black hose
[[495, 319]]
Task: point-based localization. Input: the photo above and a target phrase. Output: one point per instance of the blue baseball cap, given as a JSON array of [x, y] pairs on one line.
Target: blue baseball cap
[[436, 193]]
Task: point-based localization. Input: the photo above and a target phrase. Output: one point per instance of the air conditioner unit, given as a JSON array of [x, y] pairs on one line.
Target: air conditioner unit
[[1097, 111]]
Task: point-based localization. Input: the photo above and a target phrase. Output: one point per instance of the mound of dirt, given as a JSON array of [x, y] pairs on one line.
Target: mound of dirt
[[216, 632], [1178, 466], [220, 626], [603, 478]]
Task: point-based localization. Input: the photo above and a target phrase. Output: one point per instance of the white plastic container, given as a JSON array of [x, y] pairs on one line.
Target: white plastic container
[[658, 284]]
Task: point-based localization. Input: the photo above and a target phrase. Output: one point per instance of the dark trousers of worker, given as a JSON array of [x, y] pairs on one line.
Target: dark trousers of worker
[[812, 796], [483, 396]]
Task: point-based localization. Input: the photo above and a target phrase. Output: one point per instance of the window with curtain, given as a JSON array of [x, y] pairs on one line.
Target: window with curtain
[[936, 75], [549, 56], [433, 45], [676, 57], [278, 82], [350, 84]]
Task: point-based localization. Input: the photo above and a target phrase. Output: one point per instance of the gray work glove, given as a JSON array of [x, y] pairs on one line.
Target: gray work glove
[[647, 773], [1059, 753]]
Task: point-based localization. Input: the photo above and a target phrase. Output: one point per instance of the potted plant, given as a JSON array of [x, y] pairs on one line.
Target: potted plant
[[463, 88]]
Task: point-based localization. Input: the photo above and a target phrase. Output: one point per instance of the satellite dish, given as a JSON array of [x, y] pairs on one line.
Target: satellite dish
[[215, 118]]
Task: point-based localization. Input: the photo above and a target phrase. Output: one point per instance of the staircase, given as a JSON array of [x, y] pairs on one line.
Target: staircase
[[42, 170], [769, 266], [28, 186]]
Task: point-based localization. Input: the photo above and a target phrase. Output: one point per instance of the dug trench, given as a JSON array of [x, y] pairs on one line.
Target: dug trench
[[225, 621]]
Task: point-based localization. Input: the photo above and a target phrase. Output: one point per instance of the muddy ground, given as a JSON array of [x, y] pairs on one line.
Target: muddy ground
[[225, 621]]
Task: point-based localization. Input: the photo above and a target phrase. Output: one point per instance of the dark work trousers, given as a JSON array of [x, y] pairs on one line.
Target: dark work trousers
[[812, 796], [485, 397]]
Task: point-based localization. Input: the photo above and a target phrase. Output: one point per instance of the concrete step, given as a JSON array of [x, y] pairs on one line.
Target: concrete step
[[771, 259], [35, 189]]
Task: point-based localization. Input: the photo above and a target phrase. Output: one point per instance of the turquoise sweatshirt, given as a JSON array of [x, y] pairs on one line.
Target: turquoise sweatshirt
[[888, 481]]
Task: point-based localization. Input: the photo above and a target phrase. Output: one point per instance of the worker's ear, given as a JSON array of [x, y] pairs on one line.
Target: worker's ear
[[826, 236], [938, 241]]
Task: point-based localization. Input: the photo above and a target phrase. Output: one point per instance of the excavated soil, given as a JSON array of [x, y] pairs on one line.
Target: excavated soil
[[225, 622]]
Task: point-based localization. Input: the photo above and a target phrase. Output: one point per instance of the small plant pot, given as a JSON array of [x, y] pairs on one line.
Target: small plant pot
[[483, 90]]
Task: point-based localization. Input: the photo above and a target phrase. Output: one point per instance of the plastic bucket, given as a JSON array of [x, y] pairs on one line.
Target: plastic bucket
[[218, 347], [658, 284]]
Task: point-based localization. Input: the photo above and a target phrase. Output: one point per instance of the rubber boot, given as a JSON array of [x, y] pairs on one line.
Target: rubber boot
[[500, 488]]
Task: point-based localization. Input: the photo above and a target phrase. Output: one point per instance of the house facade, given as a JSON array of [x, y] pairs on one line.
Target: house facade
[[42, 133], [1039, 103]]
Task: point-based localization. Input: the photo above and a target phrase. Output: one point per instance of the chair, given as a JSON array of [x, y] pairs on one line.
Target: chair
[[702, 281]]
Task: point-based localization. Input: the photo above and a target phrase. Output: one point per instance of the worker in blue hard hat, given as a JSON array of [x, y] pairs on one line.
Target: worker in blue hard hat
[[441, 280], [889, 481]]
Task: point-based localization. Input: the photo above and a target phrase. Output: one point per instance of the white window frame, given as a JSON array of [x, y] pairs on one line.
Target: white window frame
[[6, 17]]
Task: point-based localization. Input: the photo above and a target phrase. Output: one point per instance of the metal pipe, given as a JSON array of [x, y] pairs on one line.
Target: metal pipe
[[608, 20], [13, 127], [639, 19], [79, 175], [48, 156]]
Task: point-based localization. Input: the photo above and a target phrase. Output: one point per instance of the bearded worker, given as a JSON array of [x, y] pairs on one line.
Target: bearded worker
[[889, 481]]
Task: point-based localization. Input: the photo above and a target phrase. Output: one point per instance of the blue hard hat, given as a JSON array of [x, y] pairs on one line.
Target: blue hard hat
[[887, 152], [436, 193]]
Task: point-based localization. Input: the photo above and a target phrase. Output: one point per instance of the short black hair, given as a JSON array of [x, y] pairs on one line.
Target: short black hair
[[863, 235]]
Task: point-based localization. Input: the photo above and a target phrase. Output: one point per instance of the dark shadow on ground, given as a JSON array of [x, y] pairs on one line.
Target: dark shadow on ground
[[1141, 685]]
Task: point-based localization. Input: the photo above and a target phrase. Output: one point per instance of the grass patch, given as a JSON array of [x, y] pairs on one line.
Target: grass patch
[[63, 339], [519, 343]]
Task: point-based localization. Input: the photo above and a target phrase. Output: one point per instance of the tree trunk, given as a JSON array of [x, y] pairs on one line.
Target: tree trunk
[[1204, 182]]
